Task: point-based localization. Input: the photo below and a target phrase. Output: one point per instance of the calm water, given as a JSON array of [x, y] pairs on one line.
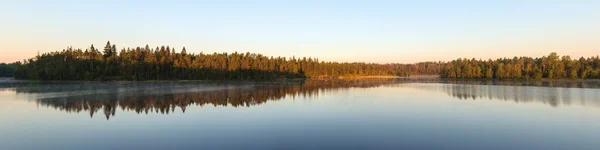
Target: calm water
[[331, 114]]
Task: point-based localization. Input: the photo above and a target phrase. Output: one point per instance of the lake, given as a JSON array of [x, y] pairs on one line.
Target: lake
[[402, 113]]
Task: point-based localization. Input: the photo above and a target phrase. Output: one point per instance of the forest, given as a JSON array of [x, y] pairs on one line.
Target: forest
[[552, 66], [164, 63], [6, 70]]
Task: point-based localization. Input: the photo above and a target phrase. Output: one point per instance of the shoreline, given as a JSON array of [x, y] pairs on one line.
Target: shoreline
[[383, 77], [13, 80]]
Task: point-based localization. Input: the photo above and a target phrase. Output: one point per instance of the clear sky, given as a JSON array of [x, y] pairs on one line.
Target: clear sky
[[369, 31]]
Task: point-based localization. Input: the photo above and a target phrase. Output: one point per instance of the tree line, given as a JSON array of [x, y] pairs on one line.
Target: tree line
[[552, 66], [164, 63]]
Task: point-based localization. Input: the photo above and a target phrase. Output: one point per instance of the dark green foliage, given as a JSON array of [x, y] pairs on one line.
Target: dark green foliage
[[551, 67], [163, 63], [6, 70]]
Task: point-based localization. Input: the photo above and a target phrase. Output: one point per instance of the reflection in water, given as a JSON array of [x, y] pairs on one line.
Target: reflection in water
[[519, 94], [166, 97], [535, 83]]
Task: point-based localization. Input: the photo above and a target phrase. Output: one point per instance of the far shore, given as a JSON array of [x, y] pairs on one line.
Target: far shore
[[13, 80], [416, 76]]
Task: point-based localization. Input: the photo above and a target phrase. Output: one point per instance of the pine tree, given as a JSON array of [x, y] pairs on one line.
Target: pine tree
[[108, 50]]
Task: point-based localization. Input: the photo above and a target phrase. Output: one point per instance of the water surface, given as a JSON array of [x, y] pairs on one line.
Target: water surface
[[333, 114]]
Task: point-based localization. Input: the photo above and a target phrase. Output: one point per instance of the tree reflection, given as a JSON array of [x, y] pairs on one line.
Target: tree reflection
[[167, 97], [519, 94]]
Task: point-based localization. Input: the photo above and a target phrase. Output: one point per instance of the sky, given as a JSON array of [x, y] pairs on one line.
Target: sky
[[375, 31]]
